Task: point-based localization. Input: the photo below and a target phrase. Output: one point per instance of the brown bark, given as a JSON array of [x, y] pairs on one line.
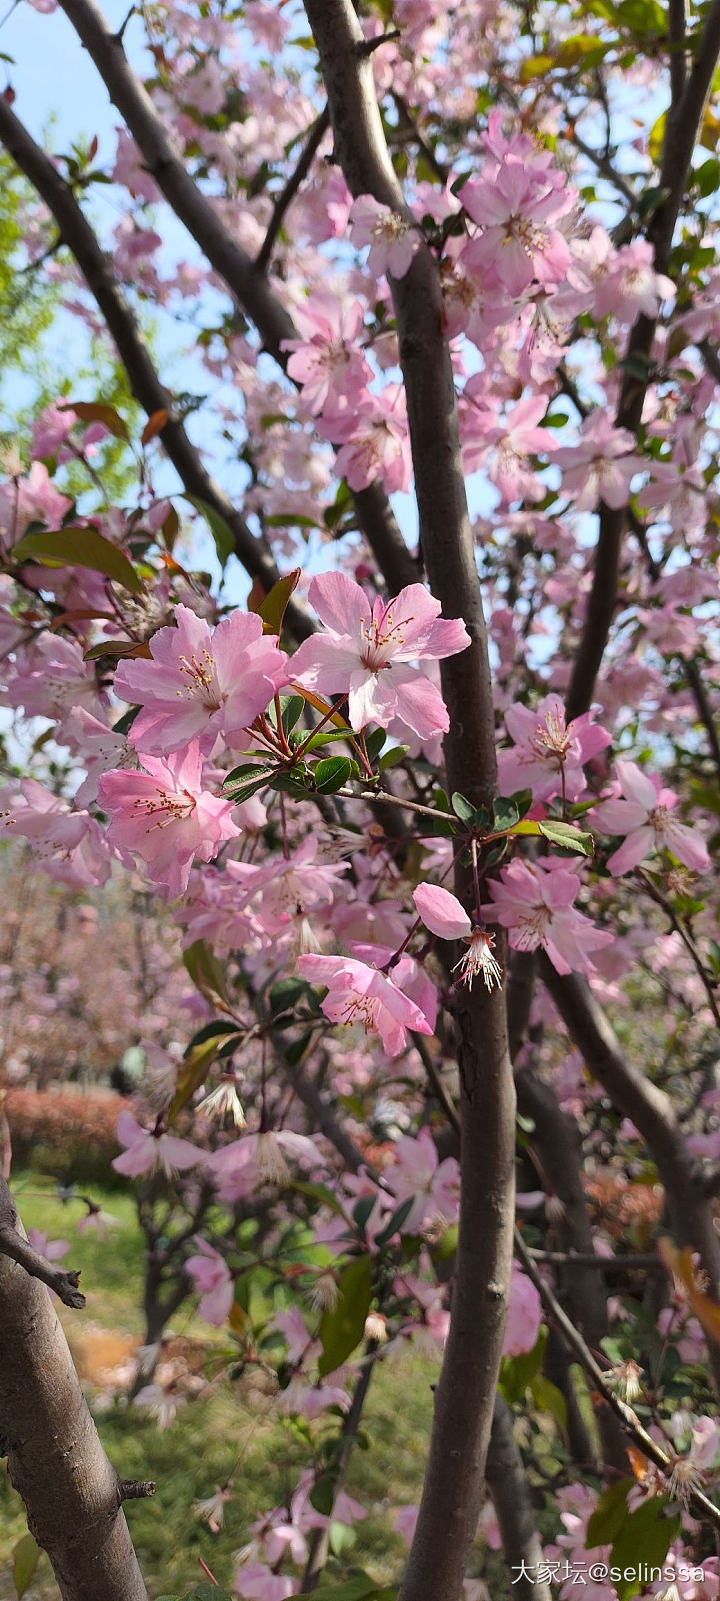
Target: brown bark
[[71, 1491], [453, 1491]]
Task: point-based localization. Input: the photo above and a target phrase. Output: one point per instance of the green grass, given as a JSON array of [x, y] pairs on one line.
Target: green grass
[[233, 1429]]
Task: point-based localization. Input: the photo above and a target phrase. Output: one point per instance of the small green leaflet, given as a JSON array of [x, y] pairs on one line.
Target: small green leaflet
[[343, 1326]]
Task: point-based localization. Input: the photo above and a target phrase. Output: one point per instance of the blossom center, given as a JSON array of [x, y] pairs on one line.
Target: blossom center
[[363, 1009], [381, 637], [166, 806], [552, 737], [202, 675]]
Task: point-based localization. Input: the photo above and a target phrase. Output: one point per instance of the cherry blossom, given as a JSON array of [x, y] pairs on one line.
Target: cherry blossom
[[373, 438], [516, 206], [535, 902], [212, 1278], [549, 752], [262, 1158], [393, 241], [367, 652], [644, 813], [165, 816], [361, 994], [601, 466], [524, 1315], [201, 683], [146, 1151], [327, 361], [417, 1172], [70, 844]]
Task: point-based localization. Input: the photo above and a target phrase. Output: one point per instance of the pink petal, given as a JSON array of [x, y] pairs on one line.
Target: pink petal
[[441, 911]]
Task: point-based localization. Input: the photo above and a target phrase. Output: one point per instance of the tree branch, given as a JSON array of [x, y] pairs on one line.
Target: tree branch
[[698, 1503], [55, 1459], [15, 1245], [510, 1493], [653, 1113], [288, 192], [453, 1489], [683, 124], [134, 354]]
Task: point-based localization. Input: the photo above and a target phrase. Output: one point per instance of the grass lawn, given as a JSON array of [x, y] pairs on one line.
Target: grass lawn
[[231, 1430]]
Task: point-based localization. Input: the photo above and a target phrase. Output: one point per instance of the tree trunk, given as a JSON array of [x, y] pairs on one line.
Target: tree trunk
[[71, 1491]]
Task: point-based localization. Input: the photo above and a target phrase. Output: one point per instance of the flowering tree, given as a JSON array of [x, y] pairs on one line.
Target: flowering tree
[[434, 809]]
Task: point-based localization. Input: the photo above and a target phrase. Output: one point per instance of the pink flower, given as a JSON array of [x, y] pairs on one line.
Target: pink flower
[[630, 286], [392, 240], [146, 1151], [214, 1281], [644, 814], [260, 1159], [166, 817], [524, 1315], [441, 911], [361, 994], [516, 208], [71, 844], [549, 753], [201, 683], [417, 1172], [256, 1582], [534, 900], [367, 651], [29, 500], [374, 440], [600, 466], [327, 362], [52, 1250]]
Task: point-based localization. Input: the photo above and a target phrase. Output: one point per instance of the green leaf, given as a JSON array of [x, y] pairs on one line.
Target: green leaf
[[25, 1557], [343, 1326], [332, 514], [273, 606], [707, 177], [330, 774], [319, 1192], [609, 1515], [206, 972], [245, 781], [79, 547], [644, 1539], [209, 1031], [505, 815], [517, 1372], [550, 1399], [374, 742], [326, 736], [394, 757], [222, 534], [342, 1538], [523, 799], [124, 723], [571, 839], [322, 1495], [292, 710], [193, 1073], [463, 808], [395, 1223], [285, 995]]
